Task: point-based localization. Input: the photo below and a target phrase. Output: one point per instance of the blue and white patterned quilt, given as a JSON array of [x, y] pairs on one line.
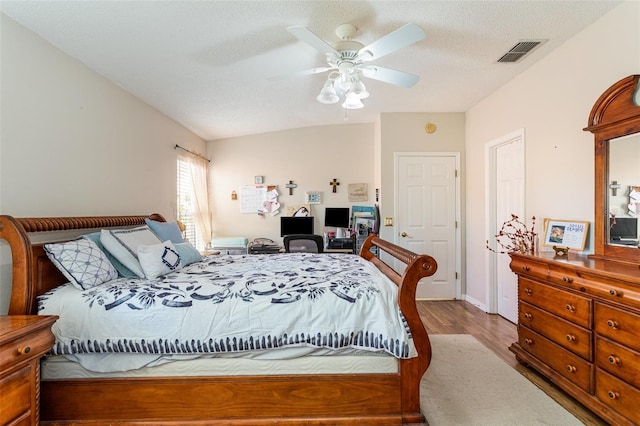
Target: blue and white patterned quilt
[[230, 304]]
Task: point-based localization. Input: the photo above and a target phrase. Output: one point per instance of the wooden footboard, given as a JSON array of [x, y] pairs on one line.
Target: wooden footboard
[[376, 399]]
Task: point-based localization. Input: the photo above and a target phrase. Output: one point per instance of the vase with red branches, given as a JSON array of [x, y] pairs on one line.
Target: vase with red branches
[[515, 236]]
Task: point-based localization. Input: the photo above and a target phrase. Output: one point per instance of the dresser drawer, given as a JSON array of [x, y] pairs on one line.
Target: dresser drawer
[[569, 306], [618, 360], [563, 276], [15, 397], [566, 334], [618, 325], [25, 347], [529, 267], [567, 364], [620, 396]]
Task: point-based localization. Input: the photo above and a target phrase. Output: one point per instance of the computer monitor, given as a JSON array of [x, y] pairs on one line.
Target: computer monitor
[[623, 228], [336, 216], [290, 225]]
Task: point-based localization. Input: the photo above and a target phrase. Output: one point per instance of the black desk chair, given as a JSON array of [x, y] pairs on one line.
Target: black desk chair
[[303, 243]]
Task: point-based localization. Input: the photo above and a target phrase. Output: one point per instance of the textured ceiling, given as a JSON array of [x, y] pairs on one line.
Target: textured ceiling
[[207, 64]]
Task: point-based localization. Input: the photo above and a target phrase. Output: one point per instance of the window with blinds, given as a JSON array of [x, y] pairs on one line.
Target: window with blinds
[[185, 208]]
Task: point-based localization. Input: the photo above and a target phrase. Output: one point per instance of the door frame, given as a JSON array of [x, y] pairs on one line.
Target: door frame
[[458, 234], [491, 230]]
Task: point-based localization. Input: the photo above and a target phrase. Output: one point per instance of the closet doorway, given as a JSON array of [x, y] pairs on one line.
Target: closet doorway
[[504, 163]]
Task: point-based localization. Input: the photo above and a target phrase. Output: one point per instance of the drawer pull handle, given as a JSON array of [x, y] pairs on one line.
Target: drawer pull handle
[[613, 394], [613, 360], [24, 350], [614, 292], [528, 341], [567, 279], [571, 368], [571, 338], [526, 268], [528, 316], [528, 291], [613, 324], [570, 308]]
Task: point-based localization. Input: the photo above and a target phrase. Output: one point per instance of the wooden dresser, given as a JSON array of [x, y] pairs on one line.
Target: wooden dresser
[[23, 340], [579, 325]]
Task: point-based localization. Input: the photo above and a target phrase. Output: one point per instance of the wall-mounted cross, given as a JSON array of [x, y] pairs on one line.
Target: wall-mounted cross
[[334, 183], [291, 185]]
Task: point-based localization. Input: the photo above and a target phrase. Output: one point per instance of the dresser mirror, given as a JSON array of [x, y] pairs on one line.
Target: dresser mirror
[[623, 199], [615, 123]]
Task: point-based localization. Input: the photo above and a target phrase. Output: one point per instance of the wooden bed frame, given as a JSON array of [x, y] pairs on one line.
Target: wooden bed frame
[[275, 400]]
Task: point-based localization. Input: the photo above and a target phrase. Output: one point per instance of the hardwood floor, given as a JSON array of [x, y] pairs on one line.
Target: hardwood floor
[[497, 334]]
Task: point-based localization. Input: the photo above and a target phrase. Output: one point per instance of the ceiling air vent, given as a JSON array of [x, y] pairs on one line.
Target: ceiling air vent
[[521, 49]]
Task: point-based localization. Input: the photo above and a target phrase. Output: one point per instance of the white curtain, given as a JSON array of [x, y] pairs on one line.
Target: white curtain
[[199, 171]]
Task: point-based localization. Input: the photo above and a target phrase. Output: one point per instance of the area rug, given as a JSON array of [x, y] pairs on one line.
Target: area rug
[[467, 384]]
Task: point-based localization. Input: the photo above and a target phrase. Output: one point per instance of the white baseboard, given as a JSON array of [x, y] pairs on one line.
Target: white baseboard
[[475, 303]]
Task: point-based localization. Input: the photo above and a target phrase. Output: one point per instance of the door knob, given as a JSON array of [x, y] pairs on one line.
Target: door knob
[[404, 234]]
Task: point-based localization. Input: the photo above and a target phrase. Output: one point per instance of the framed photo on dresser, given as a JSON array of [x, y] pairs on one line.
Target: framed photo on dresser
[[570, 234]]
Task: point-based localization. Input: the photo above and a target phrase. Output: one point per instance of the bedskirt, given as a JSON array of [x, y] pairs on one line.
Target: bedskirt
[[59, 367]]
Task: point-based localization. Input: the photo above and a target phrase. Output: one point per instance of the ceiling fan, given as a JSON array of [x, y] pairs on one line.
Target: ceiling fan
[[349, 60]]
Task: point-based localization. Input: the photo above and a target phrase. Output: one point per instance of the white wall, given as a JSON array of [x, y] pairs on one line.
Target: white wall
[[310, 157], [551, 101], [350, 153], [405, 132], [74, 143]]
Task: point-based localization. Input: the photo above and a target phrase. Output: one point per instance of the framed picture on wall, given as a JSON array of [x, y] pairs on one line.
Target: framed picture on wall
[[565, 233], [358, 192], [312, 197]]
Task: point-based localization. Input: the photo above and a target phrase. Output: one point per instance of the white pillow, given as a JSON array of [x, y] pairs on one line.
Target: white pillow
[[159, 259], [123, 245], [82, 262]]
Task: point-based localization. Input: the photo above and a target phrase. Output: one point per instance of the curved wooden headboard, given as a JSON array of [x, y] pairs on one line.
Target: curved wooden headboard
[[32, 272]]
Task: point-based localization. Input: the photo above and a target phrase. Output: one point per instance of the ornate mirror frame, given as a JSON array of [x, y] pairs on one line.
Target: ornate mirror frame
[[614, 114]]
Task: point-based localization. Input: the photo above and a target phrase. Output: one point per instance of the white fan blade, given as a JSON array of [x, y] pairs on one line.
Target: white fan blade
[[399, 78], [301, 73], [402, 37], [304, 34]]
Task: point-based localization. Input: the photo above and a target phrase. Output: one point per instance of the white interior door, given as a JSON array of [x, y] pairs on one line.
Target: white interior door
[[507, 199], [426, 218]]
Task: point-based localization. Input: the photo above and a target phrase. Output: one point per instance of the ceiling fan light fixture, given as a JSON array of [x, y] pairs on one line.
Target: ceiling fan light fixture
[[358, 89], [327, 94], [352, 102], [341, 86], [346, 60]]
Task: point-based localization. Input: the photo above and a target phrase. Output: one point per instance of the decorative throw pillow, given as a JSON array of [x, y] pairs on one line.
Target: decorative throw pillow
[[123, 245], [123, 271], [158, 259], [166, 230], [188, 253], [82, 262]]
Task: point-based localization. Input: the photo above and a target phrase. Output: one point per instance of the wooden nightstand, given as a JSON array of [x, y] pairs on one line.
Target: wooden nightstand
[[23, 340]]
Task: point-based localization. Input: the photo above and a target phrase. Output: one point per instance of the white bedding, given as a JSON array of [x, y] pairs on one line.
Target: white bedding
[[232, 304]]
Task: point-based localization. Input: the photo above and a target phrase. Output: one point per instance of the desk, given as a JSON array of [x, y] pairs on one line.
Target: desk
[[265, 249], [338, 250]]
